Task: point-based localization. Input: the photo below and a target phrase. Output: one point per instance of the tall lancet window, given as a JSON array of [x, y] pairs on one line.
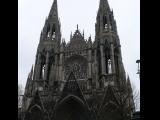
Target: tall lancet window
[[43, 71], [109, 66], [111, 21], [48, 31], [98, 24], [105, 26], [53, 32], [54, 35]]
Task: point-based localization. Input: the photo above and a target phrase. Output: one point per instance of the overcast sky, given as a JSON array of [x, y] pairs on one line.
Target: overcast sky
[[31, 18]]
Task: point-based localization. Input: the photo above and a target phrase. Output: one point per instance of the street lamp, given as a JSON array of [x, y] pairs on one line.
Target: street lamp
[[138, 72]]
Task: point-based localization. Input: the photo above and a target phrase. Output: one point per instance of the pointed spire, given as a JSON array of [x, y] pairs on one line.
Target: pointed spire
[[54, 10], [63, 42], [71, 87], [83, 34], [90, 38], [28, 79], [109, 95], [36, 99], [112, 12], [71, 35], [71, 76], [77, 26], [62, 45], [31, 73], [128, 80], [129, 85], [28, 83], [104, 5], [89, 42]]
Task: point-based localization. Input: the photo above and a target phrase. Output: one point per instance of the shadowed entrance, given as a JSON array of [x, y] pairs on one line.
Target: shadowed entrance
[[110, 112], [71, 108], [35, 113]]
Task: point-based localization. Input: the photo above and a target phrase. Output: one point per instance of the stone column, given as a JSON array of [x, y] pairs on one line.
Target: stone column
[[108, 22], [60, 66], [101, 23], [56, 65], [95, 67], [103, 60], [89, 63], [112, 58], [46, 67], [61, 62]]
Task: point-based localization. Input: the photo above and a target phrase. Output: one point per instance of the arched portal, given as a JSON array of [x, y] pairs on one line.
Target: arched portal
[[35, 113], [71, 108], [110, 112]]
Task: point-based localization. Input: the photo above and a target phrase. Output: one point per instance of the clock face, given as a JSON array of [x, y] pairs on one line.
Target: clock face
[[77, 65]]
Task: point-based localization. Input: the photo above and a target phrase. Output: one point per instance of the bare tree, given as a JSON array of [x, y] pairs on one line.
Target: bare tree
[[128, 101], [136, 97]]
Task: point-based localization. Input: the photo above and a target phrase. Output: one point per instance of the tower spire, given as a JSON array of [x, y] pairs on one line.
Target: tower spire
[[104, 5], [52, 25], [71, 35], [77, 26], [104, 18], [31, 73], [54, 10]]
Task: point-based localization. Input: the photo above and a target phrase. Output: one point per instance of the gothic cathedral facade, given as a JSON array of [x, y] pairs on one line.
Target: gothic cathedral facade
[[83, 79]]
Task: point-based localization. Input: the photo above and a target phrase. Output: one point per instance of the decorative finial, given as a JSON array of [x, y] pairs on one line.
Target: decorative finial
[[71, 35], [77, 26], [90, 36], [83, 33]]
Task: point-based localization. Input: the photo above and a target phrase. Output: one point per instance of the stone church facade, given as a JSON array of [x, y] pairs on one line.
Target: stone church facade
[[83, 79]]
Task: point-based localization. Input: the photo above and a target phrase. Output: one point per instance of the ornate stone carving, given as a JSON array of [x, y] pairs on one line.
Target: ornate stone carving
[[77, 65]]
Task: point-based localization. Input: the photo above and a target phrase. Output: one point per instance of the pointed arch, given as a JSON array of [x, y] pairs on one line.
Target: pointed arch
[[69, 97], [53, 33], [35, 113], [104, 21], [42, 63], [110, 104], [48, 30], [110, 112], [107, 56], [71, 108], [116, 59], [35, 106]]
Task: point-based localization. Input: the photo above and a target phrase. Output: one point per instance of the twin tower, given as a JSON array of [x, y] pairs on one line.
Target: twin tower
[[79, 80]]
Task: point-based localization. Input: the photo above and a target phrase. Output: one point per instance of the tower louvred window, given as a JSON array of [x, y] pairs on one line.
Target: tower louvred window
[[105, 22], [48, 31], [109, 66], [53, 31], [42, 72], [53, 35]]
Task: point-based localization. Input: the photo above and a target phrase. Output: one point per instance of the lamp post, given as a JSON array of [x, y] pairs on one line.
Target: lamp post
[[138, 72]]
